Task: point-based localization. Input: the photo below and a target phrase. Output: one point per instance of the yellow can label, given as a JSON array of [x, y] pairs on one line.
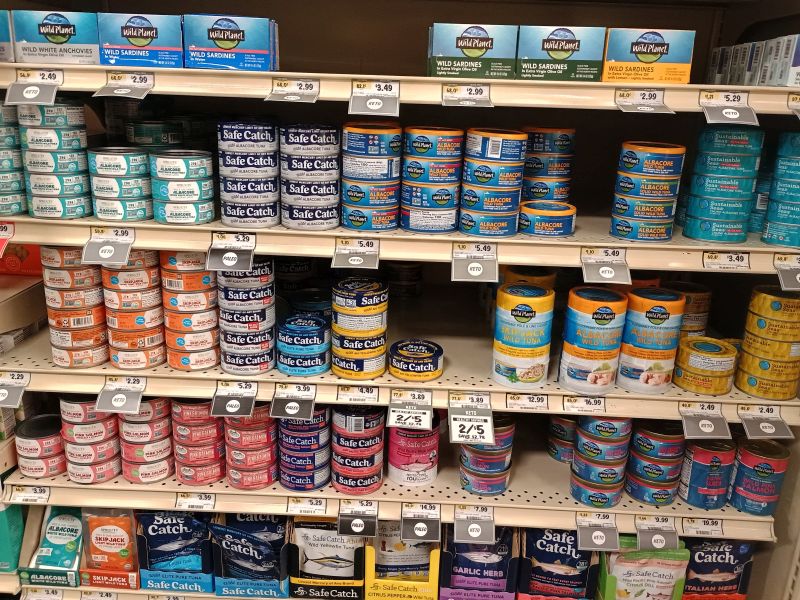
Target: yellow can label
[[514, 352], [765, 388], [766, 348], [772, 302], [768, 368], [774, 329], [700, 383]]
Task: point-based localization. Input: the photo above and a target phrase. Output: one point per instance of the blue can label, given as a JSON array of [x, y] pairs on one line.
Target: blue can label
[[788, 144], [733, 165], [430, 196], [561, 142], [643, 208], [372, 143], [372, 193], [650, 163], [182, 190], [548, 165], [597, 472], [732, 140], [428, 220], [126, 210], [118, 162], [304, 366], [546, 189], [654, 470], [787, 167], [649, 493], [488, 224], [369, 219], [594, 498], [423, 170], [431, 145], [492, 174], [13, 204], [780, 234], [11, 160], [486, 199], [785, 190], [494, 145], [641, 231], [647, 186]]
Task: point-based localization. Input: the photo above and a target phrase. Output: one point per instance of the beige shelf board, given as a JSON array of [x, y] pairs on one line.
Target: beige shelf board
[[8, 455], [9, 583]]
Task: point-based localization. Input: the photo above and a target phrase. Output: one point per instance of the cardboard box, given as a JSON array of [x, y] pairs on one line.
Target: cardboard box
[[766, 61], [387, 588], [135, 40], [733, 71], [11, 529], [224, 42], [6, 41], [37, 576], [107, 578], [648, 55], [477, 51], [21, 302], [786, 65], [21, 259], [41, 36], [607, 586], [713, 64], [724, 67], [775, 61], [754, 64], [563, 53]]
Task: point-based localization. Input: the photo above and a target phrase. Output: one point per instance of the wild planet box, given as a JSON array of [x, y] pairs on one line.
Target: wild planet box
[[225, 42], [135, 40], [648, 55], [479, 51], [6, 45], [42, 36], [560, 53]]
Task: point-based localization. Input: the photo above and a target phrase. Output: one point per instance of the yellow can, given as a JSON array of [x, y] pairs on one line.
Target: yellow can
[[700, 383], [706, 356], [768, 368], [767, 348], [772, 302], [769, 389], [774, 329]]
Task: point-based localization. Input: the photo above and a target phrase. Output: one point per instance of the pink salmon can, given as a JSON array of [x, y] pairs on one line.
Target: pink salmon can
[[484, 484], [251, 459], [303, 460], [190, 412], [142, 433], [132, 300], [192, 342], [151, 409], [87, 454], [147, 452], [49, 466], [305, 440], [135, 279], [562, 428], [136, 360], [561, 450], [81, 409], [95, 473], [85, 298], [249, 438], [252, 479], [601, 448], [198, 433], [119, 339], [260, 416], [190, 322], [177, 260], [357, 484], [39, 437], [190, 301], [90, 433], [148, 472], [199, 455], [413, 455], [200, 474]]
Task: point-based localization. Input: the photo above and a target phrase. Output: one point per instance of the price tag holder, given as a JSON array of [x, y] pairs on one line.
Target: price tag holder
[[728, 106], [121, 84], [121, 395], [35, 86], [294, 90], [358, 518], [195, 501], [726, 261], [703, 420], [473, 524], [108, 246], [30, 494], [369, 97], [702, 527], [605, 265], [43, 594], [597, 531], [300, 505], [656, 533], [649, 100], [353, 253], [412, 409], [467, 94], [420, 522], [293, 401], [584, 405], [788, 268], [470, 416], [234, 399], [231, 251], [88, 595], [6, 233], [357, 394], [12, 387], [764, 422], [164, 597], [474, 261], [528, 402], [793, 102]]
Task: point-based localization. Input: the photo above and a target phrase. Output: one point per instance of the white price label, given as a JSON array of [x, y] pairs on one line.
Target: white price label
[[470, 399], [119, 234], [650, 100], [474, 512], [300, 391], [239, 240], [164, 597], [358, 507], [356, 253], [724, 98], [585, 405], [467, 94], [412, 510], [793, 102], [52, 76], [132, 383], [357, 246], [137, 79], [727, 106], [294, 90], [89, 595], [786, 261], [726, 261], [369, 97], [409, 416], [702, 527], [700, 408], [654, 523], [531, 402], [43, 594], [474, 251], [763, 421], [603, 255], [470, 425], [237, 388], [357, 394], [363, 87], [421, 397], [195, 501], [14, 379], [306, 506], [29, 494], [766, 411], [595, 519]]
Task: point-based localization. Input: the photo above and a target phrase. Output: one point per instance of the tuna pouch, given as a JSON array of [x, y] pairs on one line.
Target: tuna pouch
[[267, 528], [245, 556], [175, 541], [109, 536], [60, 543]]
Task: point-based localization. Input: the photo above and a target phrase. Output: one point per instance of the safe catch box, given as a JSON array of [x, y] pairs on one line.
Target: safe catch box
[[234, 43], [478, 51], [43, 36], [388, 588], [648, 55], [136, 40], [562, 53]]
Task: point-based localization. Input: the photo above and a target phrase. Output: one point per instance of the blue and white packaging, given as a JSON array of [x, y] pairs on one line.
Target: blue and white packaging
[[137, 40], [42, 36], [6, 45], [229, 42]]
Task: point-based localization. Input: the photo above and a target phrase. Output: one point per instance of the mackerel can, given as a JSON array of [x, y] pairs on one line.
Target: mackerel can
[[64, 113], [181, 164], [706, 473], [118, 161], [758, 476]]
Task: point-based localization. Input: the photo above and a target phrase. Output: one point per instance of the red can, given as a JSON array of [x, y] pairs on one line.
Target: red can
[[249, 438], [200, 455], [148, 472], [48, 466], [238, 458], [199, 433], [81, 409], [189, 412], [150, 410], [149, 431], [357, 484], [95, 473], [87, 454], [89, 433], [200, 474], [260, 417], [147, 452], [253, 479]]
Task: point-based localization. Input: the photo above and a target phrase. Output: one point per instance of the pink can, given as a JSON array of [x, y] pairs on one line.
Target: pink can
[[190, 412], [42, 467], [90, 433], [147, 452], [260, 416], [357, 484], [148, 472], [208, 432], [200, 474], [39, 437], [87, 454], [96, 473], [413, 455], [251, 459], [80, 409], [248, 438], [149, 431], [150, 410], [200, 455], [253, 479]]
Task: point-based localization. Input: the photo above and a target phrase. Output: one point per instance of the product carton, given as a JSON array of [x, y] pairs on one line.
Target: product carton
[[234, 43], [388, 588], [788, 67], [754, 63], [648, 55], [135, 40], [6, 42], [11, 528], [41, 36], [477, 51], [563, 53], [40, 576]]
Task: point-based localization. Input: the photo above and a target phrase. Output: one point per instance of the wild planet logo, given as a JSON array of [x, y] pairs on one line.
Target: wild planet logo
[[474, 42], [522, 313], [658, 315], [56, 28], [139, 31], [225, 34], [561, 44], [649, 47]]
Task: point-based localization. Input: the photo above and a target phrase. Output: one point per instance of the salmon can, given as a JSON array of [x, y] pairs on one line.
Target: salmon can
[[304, 460], [95, 473], [87, 454], [132, 300], [247, 439], [206, 433], [78, 338], [182, 360], [200, 455], [659, 439], [76, 318], [651, 492], [145, 432], [239, 458], [357, 484], [85, 298], [706, 473], [82, 277], [561, 450], [758, 476], [47, 466], [127, 280], [598, 471], [149, 472], [135, 340], [191, 412], [39, 437], [562, 428], [305, 481], [483, 484], [606, 427], [60, 257], [599, 448], [89, 433], [595, 495], [192, 342], [134, 320], [177, 260], [259, 416], [200, 474], [188, 281], [252, 479], [413, 455], [190, 301], [146, 452], [80, 358], [151, 409], [79, 408], [136, 360], [483, 461]]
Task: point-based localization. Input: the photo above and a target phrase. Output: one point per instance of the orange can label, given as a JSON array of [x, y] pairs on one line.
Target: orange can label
[[188, 281], [190, 322], [177, 260], [73, 298], [138, 300], [82, 277], [82, 358], [79, 338], [193, 361], [140, 259], [139, 359], [190, 301], [135, 340], [76, 318], [57, 257], [192, 342], [135, 320], [134, 279]]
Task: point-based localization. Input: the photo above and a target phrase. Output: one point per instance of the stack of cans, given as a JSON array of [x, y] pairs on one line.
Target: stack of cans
[[247, 316], [91, 441], [12, 179], [598, 463], [357, 449], [154, 136], [309, 176], [548, 163], [305, 451], [486, 468], [120, 180], [53, 140], [199, 443], [758, 215], [248, 170], [118, 112], [304, 346], [251, 450], [146, 442], [413, 454], [40, 448], [182, 186], [189, 295], [782, 226], [561, 438], [698, 305], [655, 462]]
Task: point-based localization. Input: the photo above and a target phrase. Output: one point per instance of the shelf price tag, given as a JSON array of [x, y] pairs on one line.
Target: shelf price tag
[[43, 594], [597, 531], [234, 399], [470, 416], [584, 405], [358, 518], [164, 597], [728, 106], [30, 494], [788, 268], [764, 421], [89, 595], [474, 261], [357, 394], [703, 420], [122, 84], [35, 86], [467, 94], [108, 246], [195, 501], [412, 409], [656, 532], [300, 505], [353, 253], [293, 401], [231, 251], [649, 100], [702, 527], [420, 522], [121, 394], [473, 524], [369, 97], [726, 261], [793, 102], [605, 265], [6, 233], [294, 90], [528, 402], [12, 387]]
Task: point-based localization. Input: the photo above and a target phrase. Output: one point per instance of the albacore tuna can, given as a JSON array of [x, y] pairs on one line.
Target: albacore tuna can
[[369, 219], [13, 204], [49, 184], [181, 164], [431, 170], [357, 484], [546, 188], [118, 161], [372, 139], [309, 139], [652, 158], [550, 139], [544, 164], [488, 224], [59, 207], [250, 214], [507, 145], [492, 173], [371, 193], [38, 161], [433, 142], [64, 113], [304, 167], [430, 195], [641, 230], [489, 199], [247, 136], [428, 220], [66, 138], [184, 190], [249, 189], [117, 188], [758, 476], [547, 218], [123, 210], [183, 213], [706, 473]]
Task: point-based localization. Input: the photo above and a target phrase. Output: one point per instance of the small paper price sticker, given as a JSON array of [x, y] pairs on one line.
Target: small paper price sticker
[[610, 255], [788, 268], [655, 523], [97, 595], [357, 394], [596, 519], [422, 397], [306, 506], [597, 531], [724, 98], [30, 494], [702, 527], [726, 261], [53, 76], [645, 100], [793, 102], [42, 594], [138, 79], [703, 420], [411, 409], [467, 94], [655, 532], [294, 90], [763, 421], [585, 405], [15, 378], [420, 522], [470, 399], [302, 391], [195, 501], [531, 402], [474, 261], [122, 84], [360, 253], [164, 597], [605, 265], [470, 417], [108, 246], [411, 510], [358, 507]]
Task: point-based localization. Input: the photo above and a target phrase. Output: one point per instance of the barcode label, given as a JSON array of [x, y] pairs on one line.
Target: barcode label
[[82, 321], [175, 138], [111, 321], [495, 146], [355, 424], [172, 284], [153, 340]]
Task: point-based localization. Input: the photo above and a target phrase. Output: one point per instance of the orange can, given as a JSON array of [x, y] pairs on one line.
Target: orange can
[[64, 279], [193, 361], [135, 320], [177, 260], [134, 360], [134, 279], [190, 301], [192, 342], [188, 281], [81, 358], [57, 257], [190, 322], [79, 338], [141, 259], [137, 300], [76, 318], [135, 340], [85, 298]]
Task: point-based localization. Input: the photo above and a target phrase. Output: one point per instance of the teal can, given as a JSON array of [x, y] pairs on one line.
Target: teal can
[[755, 223], [546, 188], [153, 133], [59, 207], [55, 184], [121, 187], [646, 186], [781, 234], [183, 213], [64, 113], [123, 210], [789, 144], [680, 214], [8, 115], [182, 190], [722, 209], [785, 190], [732, 140], [13, 204], [641, 230], [487, 224], [10, 159], [787, 167], [12, 181], [717, 186], [723, 163], [710, 230], [783, 212], [764, 182], [9, 136], [118, 161], [43, 138], [43, 161]]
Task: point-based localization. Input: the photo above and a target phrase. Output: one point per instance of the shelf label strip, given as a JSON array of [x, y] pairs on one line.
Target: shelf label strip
[[467, 94], [304, 506], [420, 522], [726, 261], [474, 261], [30, 494], [655, 532], [358, 394], [358, 518], [293, 401], [528, 402], [231, 251], [369, 97], [702, 527], [35, 86], [195, 501]]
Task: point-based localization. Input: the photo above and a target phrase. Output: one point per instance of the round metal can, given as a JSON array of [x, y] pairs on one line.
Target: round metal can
[[248, 364], [132, 300], [600, 448], [546, 188], [652, 158], [416, 360], [503, 434], [183, 213], [483, 461], [64, 113], [372, 139], [252, 479], [305, 481], [199, 433], [428, 220], [544, 164], [490, 199], [244, 321], [39, 437], [134, 320], [148, 473], [249, 438], [177, 260], [183, 360], [309, 139], [369, 219], [655, 469], [641, 230], [320, 419], [496, 144], [550, 139], [87, 454], [413, 455], [201, 454], [191, 412], [119, 161], [597, 471], [370, 193], [66, 138], [125, 210], [145, 432], [595, 495], [182, 164], [146, 452], [13, 204], [253, 189], [48, 466], [126, 280], [303, 440], [80, 358], [200, 474], [188, 281], [435, 196], [79, 408], [658, 439], [151, 409], [488, 224], [247, 136], [40, 161], [192, 342], [250, 214], [56, 257], [190, 301], [190, 322], [480, 172], [758, 476], [247, 343], [562, 428], [358, 484], [561, 450], [358, 346], [61, 207], [483, 484], [76, 318], [311, 218], [241, 458], [651, 492], [250, 298], [706, 473], [606, 427], [144, 358], [78, 338], [433, 142], [90, 433], [259, 416]]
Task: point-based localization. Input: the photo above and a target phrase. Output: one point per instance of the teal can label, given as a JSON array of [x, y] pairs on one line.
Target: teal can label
[[722, 209], [12, 181], [364, 218], [53, 184], [182, 164], [546, 189], [756, 222], [780, 234], [640, 230], [787, 167], [123, 210], [183, 213], [118, 161], [647, 186], [643, 208], [709, 230], [36, 138], [371, 193], [785, 190], [789, 144], [41, 161], [717, 186], [484, 224], [548, 165], [680, 215], [10, 159], [121, 187], [182, 190], [13, 204], [64, 207], [61, 114], [732, 140], [430, 196], [784, 212], [486, 199], [153, 133], [731, 165], [492, 174], [9, 137], [8, 115]]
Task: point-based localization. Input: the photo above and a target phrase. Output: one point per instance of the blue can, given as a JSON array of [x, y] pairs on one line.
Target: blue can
[[643, 208], [598, 471], [758, 476], [723, 209], [182, 190], [546, 189], [431, 170], [706, 474], [428, 220], [780, 234], [247, 136], [430, 195], [787, 167], [372, 139], [300, 481], [247, 189], [710, 230], [488, 224], [603, 449], [658, 440], [246, 298], [304, 366], [371, 193], [320, 419], [731, 140], [246, 342], [730, 165], [433, 142], [489, 199], [13, 204], [183, 213], [547, 218], [595, 495], [125, 210], [505, 145], [786, 190], [680, 214], [606, 427], [652, 158], [9, 137], [789, 144], [716, 186], [303, 335], [755, 223], [641, 231], [492, 173], [362, 218], [784, 212], [651, 492], [549, 139], [250, 214], [370, 168], [248, 164], [561, 450], [548, 165], [305, 461], [655, 469], [59, 207], [304, 168], [646, 186]]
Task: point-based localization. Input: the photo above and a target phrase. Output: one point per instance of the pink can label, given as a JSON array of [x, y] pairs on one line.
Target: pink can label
[[85, 454], [357, 483], [251, 459], [89, 433], [200, 475], [148, 473], [198, 434], [199, 455], [149, 431], [149, 410], [42, 467], [191, 412], [251, 438], [39, 447], [243, 479], [148, 452], [81, 412], [95, 473], [260, 416], [413, 455]]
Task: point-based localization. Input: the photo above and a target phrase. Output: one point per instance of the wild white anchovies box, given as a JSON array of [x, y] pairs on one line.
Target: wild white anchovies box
[[56, 37]]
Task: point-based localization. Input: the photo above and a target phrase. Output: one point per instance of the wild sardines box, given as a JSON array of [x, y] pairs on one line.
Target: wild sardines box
[[134, 40], [562, 53], [41, 36], [463, 50], [648, 55], [235, 43], [6, 44]]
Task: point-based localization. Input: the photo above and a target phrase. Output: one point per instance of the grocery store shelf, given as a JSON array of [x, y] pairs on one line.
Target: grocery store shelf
[[9, 583], [679, 254], [413, 90], [84, 592], [8, 455]]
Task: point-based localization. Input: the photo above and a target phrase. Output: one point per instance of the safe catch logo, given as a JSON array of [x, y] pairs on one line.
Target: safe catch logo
[[474, 42], [139, 31], [56, 28], [560, 44], [649, 47], [226, 34]]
